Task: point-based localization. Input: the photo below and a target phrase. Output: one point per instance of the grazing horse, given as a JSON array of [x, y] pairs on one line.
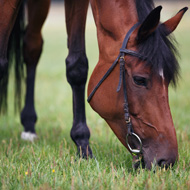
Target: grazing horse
[[145, 65], [138, 113]]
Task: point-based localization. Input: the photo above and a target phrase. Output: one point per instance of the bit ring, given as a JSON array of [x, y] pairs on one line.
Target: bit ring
[[134, 151]]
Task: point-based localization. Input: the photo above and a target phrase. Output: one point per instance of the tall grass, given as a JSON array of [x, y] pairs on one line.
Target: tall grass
[[51, 162]]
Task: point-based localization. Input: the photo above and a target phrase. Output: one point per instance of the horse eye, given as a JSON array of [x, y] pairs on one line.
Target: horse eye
[[141, 81]]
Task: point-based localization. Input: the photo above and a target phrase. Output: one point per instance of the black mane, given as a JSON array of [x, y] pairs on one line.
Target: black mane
[[159, 48]]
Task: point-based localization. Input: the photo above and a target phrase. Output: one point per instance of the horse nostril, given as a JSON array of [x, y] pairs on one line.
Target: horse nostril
[[169, 159], [166, 163]]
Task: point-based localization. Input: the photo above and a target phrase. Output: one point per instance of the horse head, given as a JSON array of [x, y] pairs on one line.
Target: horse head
[[149, 67]]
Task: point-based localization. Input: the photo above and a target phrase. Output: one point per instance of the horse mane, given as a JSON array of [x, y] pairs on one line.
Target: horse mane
[[158, 47]]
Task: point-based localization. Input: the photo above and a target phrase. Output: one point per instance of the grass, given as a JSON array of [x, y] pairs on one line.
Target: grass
[[51, 162]]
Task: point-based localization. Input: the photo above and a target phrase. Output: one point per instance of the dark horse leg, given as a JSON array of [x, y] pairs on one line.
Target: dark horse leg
[[77, 70], [33, 42]]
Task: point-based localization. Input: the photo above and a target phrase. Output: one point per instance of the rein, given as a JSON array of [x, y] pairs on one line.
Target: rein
[[122, 79]]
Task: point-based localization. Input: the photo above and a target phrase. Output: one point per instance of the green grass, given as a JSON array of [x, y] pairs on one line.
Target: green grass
[[51, 162]]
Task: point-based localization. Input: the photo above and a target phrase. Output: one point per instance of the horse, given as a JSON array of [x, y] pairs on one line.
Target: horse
[[143, 62]]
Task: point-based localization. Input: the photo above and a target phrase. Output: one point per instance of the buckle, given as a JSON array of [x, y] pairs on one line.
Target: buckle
[[128, 120], [122, 57]]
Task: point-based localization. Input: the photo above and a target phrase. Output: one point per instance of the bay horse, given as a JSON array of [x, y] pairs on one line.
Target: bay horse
[[138, 113]]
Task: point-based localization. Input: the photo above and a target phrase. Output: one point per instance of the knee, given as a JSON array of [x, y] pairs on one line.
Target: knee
[[32, 47], [77, 68]]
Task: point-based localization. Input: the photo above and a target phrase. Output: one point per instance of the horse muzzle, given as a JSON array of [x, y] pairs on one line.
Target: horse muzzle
[[151, 159]]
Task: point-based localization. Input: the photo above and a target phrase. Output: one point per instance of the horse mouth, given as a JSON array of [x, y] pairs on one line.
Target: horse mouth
[[139, 162]]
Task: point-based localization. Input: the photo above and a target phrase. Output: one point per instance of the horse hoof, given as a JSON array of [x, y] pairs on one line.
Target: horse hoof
[[28, 136]]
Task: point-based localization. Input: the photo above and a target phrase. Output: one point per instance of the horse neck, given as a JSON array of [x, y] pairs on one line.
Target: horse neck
[[113, 20]]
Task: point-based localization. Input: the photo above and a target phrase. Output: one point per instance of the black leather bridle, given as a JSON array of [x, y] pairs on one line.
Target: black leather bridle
[[121, 60]]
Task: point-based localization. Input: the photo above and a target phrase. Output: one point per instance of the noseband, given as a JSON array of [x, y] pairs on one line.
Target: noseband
[[121, 60]]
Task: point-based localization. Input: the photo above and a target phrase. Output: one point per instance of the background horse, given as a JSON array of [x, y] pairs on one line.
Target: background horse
[[153, 78]]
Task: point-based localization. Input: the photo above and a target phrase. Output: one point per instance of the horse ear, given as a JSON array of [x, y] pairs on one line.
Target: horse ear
[[150, 24], [173, 22]]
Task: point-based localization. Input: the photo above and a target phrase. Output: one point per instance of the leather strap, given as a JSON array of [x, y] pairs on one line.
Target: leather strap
[[122, 52], [133, 53], [126, 39], [103, 79]]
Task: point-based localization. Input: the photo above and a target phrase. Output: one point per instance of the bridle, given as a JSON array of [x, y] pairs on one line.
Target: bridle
[[121, 60]]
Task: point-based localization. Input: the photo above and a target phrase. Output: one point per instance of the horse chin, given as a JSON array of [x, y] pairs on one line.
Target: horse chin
[[138, 162]]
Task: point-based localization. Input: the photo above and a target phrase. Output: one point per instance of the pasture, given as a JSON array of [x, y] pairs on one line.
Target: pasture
[[51, 161]]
